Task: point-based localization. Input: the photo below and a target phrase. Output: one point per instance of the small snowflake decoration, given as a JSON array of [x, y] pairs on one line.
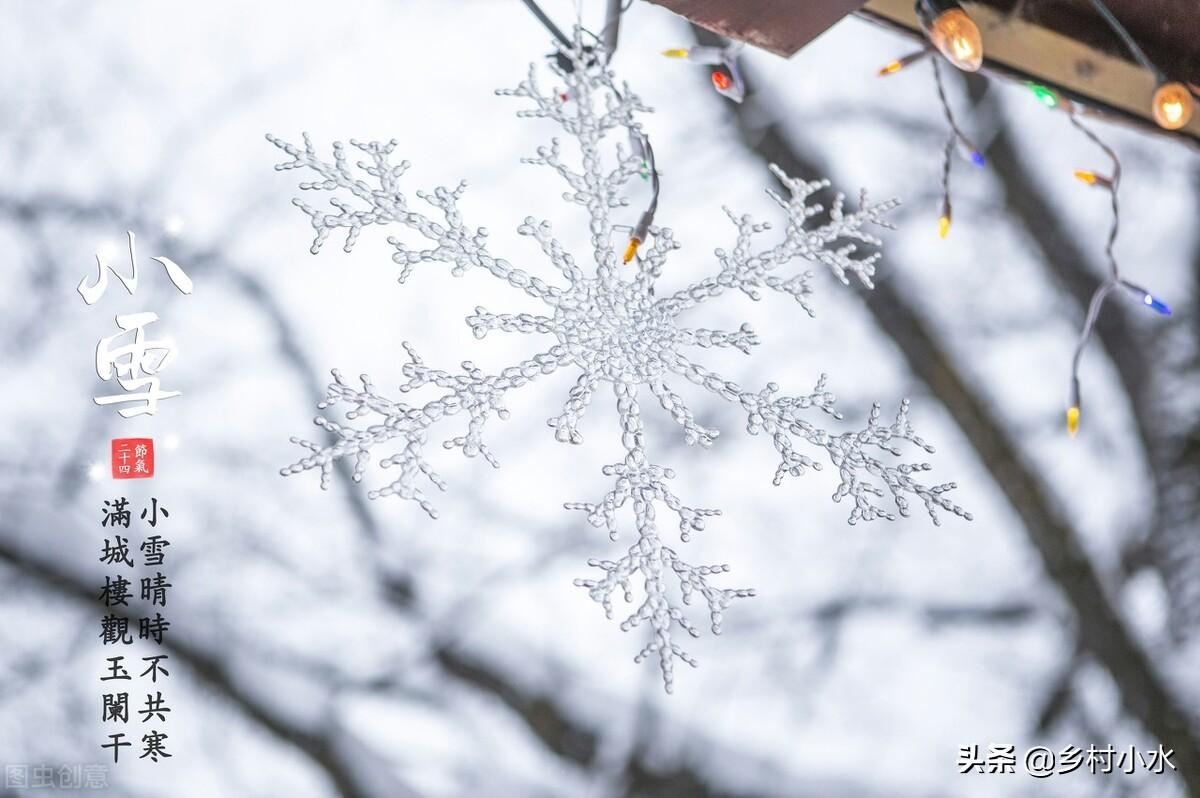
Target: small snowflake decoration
[[616, 334]]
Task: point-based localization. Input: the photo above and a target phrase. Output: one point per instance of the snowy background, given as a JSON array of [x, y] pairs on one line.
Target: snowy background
[[327, 645]]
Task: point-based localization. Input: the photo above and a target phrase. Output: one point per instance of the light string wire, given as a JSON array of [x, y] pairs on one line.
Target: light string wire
[[547, 23], [1111, 183], [956, 136], [1114, 280], [1135, 50]]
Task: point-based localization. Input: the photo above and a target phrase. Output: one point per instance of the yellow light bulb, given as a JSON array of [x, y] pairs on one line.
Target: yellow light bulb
[[676, 52], [957, 37], [891, 68], [943, 227], [631, 250], [1085, 176], [1172, 106], [1072, 421]]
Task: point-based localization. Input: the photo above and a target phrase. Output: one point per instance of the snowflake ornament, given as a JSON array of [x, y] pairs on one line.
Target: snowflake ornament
[[609, 327]]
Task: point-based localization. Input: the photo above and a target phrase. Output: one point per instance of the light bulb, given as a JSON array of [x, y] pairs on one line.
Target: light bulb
[[954, 34], [1072, 420], [892, 67], [1045, 96], [944, 226], [721, 81], [977, 158], [1148, 299], [1092, 179], [1172, 105], [1155, 304], [676, 52], [631, 250]]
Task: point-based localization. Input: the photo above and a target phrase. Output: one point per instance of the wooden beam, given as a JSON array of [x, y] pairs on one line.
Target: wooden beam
[[778, 26], [1023, 49]]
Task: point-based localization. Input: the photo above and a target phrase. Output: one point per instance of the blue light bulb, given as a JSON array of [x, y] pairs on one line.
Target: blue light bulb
[[977, 158], [1156, 305]]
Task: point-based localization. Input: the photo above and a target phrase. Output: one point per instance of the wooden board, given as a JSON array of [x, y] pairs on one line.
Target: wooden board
[[779, 26], [1046, 56]]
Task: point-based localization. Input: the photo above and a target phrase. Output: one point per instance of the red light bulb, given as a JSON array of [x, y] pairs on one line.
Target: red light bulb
[[721, 80]]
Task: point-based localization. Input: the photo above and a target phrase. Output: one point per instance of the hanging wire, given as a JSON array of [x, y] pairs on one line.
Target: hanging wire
[[547, 23], [612, 24], [957, 136], [1112, 183], [1139, 55]]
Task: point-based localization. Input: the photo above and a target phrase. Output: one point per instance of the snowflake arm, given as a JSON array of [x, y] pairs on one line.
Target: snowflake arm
[[641, 484], [386, 205], [477, 394], [832, 243], [851, 452]]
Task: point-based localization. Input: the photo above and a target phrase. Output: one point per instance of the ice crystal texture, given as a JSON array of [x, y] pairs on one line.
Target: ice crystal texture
[[611, 329]]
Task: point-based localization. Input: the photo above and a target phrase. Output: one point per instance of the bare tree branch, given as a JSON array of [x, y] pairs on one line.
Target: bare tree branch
[[1100, 627]]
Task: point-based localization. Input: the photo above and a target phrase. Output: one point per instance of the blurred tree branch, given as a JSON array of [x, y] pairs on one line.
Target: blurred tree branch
[[1144, 375], [328, 750], [1101, 628]]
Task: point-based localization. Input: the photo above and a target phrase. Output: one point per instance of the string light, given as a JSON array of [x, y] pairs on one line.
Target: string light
[[1114, 280], [892, 67], [1146, 298], [957, 137], [1045, 96], [1172, 106], [952, 32], [726, 78], [639, 145]]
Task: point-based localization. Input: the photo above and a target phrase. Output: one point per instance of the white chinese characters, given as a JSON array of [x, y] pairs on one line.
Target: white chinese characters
[[134, 364]]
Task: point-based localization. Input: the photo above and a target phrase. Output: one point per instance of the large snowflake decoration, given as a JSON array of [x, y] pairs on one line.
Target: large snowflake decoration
[[610, 328]]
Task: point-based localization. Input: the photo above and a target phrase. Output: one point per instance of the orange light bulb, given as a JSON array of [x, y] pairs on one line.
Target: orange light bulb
[[891, 68], [1172, 105], [721, 80], [957, 37], [631, 250]]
